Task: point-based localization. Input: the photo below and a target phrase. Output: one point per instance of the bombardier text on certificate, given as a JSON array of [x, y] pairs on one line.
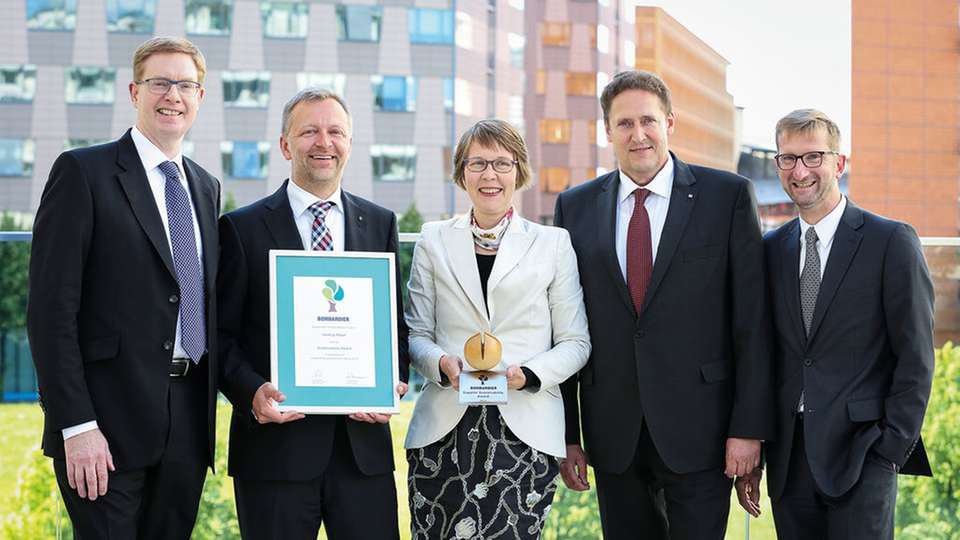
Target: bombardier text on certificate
[[333, 318]]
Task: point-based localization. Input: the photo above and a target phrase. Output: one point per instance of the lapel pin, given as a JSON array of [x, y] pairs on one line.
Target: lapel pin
[[689, 195], [360, 218]]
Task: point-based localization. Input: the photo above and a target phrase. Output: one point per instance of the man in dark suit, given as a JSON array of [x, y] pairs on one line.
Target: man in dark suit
[[853, 309], [293, 472], [121, 312], [675, 397]]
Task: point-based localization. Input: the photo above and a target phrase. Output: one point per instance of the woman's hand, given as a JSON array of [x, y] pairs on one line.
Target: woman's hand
[[451, 367], [516, 379]]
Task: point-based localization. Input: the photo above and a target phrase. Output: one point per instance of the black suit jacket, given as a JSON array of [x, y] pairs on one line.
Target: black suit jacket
[[298, 450], [867, 366], [102, 307], [694, 365]]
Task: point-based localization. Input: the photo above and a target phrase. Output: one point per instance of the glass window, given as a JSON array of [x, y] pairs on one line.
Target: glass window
[[70, 144], [51, 14], [629, 54], [448, 94], [245, 159], [581, 84], [602, 80], [554, 179], [603, 39], [463, 93], [395, 94], [90, 85], [18, 83], [555, 33], [16, 157], [359, 23], [335, 82], [430, 25], [515, 112], [135, 16], [464, 36], [517, 4], [246, 88], [393, 162], [208, 17], [284, 19], [600, 133], [555, 131], [516, 43]]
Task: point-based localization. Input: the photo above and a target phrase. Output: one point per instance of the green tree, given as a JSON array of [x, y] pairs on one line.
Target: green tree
[[929, 508], [14, 260], [410, 221]]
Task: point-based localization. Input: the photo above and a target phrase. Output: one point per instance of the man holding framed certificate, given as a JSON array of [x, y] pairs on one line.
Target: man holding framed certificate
[[292, 471]]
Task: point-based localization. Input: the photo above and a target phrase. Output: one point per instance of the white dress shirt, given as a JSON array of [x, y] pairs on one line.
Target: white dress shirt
[[151, 157], [826, 230], [300, 200], [657, 204]]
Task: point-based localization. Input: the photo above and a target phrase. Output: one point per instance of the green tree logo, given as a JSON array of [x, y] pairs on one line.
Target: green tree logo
[[333, 293]]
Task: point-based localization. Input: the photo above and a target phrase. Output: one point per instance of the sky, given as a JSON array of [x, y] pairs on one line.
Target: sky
[[783, 55]]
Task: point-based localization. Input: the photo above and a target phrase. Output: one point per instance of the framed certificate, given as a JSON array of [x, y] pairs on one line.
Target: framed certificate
[[333, 336]]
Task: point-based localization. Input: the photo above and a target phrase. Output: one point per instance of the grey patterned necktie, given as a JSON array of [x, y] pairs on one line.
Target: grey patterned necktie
[[183, 244], [809, 278]]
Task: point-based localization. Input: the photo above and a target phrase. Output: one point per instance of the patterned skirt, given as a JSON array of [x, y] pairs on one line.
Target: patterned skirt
[[480, 482]]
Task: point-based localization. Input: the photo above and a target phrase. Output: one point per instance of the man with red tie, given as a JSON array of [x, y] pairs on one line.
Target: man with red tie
[[676, 396]]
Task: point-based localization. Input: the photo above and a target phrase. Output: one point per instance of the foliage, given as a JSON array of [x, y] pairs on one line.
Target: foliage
[[574, 515], [36, 510], [410, 221], [929, 508], [14, 261]]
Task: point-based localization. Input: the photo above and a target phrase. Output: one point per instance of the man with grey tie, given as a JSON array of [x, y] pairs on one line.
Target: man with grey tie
[[121, 312], [853, 309]]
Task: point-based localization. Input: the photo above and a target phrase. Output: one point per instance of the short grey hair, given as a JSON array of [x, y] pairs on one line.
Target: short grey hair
[[310, 94]]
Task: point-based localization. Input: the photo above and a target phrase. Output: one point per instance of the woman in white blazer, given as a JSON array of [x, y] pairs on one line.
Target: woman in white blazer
[[486, 470]]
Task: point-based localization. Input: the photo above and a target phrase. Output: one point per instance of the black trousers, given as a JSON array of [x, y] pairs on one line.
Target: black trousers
[[159, 501], [650, 501], [350, 504], [865, 512]]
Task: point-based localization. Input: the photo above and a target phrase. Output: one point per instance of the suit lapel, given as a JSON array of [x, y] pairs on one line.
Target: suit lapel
[[133, 181], [790, 276], [354, 225], [516, 242], [458, 244], [279, 221], [606, 227], [845, 244], [202, 192], [682, 198]]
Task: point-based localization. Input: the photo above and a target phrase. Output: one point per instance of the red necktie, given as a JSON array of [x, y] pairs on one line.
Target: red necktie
[[639, 250]]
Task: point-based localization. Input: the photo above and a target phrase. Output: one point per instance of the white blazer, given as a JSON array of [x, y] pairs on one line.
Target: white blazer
[[536, 310]]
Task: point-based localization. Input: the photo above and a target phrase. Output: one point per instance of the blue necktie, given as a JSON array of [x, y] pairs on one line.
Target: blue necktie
[[183, 243]]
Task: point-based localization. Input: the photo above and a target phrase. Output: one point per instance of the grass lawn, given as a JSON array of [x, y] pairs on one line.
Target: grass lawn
[[20, 428]]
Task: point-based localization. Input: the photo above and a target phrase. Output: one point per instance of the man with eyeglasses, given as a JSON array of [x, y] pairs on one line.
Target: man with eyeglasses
[[121, 312], [853, 308], [677, 393]]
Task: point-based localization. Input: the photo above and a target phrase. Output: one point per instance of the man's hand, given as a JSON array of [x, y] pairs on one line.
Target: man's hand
[[88, 460], [516, 378], [748, 491], [743, 456], [451, 366], [264, 406], [573, 468], [379, 418]]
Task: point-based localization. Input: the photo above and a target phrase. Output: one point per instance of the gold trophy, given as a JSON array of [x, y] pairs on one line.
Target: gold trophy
[[483, 351]]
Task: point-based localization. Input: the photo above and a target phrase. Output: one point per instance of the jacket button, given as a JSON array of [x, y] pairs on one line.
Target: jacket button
[[174, 299], [167, 345], [641, 333], [807, 362]]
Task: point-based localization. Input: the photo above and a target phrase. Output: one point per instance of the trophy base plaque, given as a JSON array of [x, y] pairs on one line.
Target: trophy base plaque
[[483, 388]]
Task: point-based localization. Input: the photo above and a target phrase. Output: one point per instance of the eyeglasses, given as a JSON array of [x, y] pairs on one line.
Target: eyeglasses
[[160, 86], [500, 165], [810, 160]]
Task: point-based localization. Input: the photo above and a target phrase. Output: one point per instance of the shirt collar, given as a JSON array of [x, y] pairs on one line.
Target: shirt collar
[[826, 227], [150, 155], [301, 199], [660, 185]]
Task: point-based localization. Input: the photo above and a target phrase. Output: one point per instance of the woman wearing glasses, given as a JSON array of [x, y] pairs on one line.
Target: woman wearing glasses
[[485, 470]]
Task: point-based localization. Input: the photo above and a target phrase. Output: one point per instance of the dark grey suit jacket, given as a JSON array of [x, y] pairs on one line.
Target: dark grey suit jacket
[[103, 301], [867, 366], [694, 365]]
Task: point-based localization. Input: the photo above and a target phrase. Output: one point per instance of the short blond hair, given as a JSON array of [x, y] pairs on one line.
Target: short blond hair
[[807, 122], [159, 45], [491, 133]]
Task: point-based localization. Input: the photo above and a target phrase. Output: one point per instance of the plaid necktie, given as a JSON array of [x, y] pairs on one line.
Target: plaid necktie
[[639, 250], [320, 237], [193, 332]]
